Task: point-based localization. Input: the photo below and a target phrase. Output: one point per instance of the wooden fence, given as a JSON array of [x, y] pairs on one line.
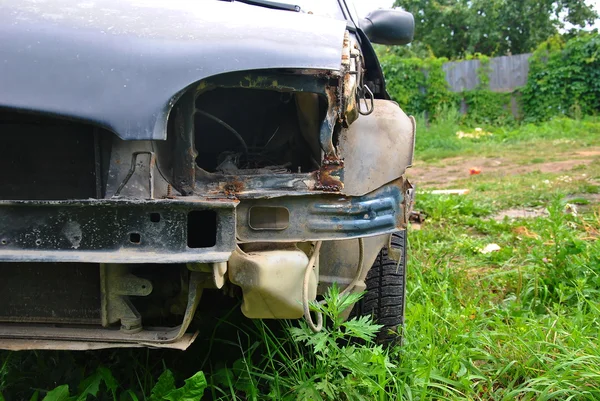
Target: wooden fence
[[507, 73]]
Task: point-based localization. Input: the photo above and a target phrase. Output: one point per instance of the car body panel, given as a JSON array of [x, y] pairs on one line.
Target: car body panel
[[121, 201], [122, 64]]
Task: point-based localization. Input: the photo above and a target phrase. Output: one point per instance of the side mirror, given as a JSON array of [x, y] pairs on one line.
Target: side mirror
[[389, 27]]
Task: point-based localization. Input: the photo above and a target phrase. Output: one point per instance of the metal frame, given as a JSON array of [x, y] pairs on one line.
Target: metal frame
[[172, 337], [97, 231]]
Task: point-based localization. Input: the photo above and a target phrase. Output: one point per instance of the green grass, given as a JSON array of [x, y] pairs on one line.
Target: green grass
[[439, 140], [520, 323]]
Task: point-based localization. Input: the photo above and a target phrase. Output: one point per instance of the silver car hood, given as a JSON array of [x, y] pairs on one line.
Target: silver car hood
[[121, 64]]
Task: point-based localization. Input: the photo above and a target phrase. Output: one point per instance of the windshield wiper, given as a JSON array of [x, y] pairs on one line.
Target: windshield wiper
[[270, 4]]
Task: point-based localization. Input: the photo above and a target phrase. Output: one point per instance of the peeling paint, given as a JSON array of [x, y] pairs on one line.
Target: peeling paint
[[72, 231]]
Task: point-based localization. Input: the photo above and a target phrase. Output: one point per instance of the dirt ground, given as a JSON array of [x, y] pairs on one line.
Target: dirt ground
[[456, 168]]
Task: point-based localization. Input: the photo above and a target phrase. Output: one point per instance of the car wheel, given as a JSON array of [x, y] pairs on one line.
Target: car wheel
[[385, 292]]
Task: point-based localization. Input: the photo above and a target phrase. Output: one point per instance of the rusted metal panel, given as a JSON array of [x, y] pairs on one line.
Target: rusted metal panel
[[333, 87], [339, 89], [254, 186], [330, 177], [331, 216], [112, 231], [377, 148], [184, 164]]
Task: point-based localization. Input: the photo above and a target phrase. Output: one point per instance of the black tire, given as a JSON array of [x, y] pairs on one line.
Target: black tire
[[385, 292]]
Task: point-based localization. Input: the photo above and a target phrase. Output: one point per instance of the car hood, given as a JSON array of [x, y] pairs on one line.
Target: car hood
[[121, 64]]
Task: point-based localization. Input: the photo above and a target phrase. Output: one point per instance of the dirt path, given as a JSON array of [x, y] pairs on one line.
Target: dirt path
[[458, 167]]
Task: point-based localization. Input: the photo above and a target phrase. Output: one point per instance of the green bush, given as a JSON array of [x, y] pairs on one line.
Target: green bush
[[419, 86], [485, 107], [564, 78]]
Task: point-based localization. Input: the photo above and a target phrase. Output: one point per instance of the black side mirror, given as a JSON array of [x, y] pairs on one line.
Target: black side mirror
[[389, 27]]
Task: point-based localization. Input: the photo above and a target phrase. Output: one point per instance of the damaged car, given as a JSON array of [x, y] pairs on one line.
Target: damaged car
[[154, 150]]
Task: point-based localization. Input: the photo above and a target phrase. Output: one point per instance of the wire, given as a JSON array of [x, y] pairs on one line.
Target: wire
[[317, 327], [226, 126], [361, 262], [305, 303]]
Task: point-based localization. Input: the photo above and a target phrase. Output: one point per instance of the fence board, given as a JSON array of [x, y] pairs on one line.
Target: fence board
[[507, 73]]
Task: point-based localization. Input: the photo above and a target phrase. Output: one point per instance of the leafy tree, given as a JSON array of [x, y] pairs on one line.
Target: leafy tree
[[453, 28]]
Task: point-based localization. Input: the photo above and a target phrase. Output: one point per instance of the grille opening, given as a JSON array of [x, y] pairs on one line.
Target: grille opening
[[135, 238], [50, 293], [45, 158], [155, 217], [162, 307], [201, 229], [246, 131]]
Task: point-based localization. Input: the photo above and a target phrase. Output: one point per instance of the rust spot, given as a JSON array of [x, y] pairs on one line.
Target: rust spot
[[329, 176], [170, 192], [233, 187]]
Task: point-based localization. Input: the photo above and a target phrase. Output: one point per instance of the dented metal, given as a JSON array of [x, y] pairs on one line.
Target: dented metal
[[377, 148], [331, 216], [149, 192]]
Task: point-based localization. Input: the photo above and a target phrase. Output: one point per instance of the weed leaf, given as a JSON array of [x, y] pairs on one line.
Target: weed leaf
[[362, 327], [90, 386], [61, 393], [131, 395], [164, 385], [192, 390], [109, 380]]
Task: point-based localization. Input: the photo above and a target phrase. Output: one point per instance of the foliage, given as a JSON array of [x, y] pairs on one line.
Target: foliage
[[564, 78], [420, 87], [455, 28], [329, 365], [505, 335], [417, 84], [485, 107], [405, 80], [102, 385]]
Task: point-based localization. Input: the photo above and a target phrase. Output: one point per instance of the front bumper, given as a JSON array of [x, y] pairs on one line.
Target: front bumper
[[116, 233], [186, 231]]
